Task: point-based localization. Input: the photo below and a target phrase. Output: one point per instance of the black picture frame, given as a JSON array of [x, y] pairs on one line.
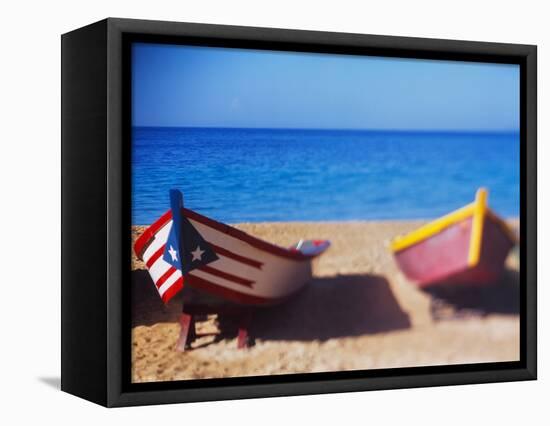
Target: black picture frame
[[96, 223]]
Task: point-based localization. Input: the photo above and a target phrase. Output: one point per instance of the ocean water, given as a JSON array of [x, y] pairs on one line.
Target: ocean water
[[260, 175]]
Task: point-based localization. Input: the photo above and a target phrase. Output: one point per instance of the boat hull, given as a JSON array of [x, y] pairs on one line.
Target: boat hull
[[443, 259], [248, 270]]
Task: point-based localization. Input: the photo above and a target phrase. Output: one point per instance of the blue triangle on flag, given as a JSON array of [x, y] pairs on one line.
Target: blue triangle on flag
[[185, 248]]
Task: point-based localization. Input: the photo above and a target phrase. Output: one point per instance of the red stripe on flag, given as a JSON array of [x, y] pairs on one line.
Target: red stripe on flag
[[235, 256], [165, 276], [149, 233], [172, 290], [155, 256], [226, 275]]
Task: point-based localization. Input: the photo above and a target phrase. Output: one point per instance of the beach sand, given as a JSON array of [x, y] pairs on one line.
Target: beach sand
[[359, 312]]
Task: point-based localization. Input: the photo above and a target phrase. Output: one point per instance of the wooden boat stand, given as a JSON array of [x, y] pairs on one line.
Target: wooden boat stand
[[231, 321]]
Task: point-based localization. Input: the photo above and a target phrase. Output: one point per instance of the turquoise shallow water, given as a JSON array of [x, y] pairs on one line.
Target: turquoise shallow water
[[257, 175]]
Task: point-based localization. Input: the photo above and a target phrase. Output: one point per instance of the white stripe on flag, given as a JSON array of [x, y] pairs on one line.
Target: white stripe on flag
[[169, 282], [158, 241], [158, 269]]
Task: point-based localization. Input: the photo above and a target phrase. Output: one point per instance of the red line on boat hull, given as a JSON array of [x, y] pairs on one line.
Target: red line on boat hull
[[226, 276], [242, 259], [228, 294]]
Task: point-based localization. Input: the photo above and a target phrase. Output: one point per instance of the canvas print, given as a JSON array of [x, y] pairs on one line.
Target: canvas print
[[302, 212]]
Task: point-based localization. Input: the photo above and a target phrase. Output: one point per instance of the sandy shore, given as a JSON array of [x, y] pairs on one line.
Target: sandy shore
[[358, 313]]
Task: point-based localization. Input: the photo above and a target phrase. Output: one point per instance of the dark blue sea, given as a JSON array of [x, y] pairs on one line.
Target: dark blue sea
[[259, 175]]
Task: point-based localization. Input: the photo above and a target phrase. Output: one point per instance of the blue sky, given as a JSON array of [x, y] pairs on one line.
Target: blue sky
[[191, 86]]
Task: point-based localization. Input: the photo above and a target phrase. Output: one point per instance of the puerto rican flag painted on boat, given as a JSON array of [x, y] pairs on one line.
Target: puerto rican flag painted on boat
[[246, 270]]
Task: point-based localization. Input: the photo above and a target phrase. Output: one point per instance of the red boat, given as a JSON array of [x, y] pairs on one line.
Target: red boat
[[248, 272], [466, 247]]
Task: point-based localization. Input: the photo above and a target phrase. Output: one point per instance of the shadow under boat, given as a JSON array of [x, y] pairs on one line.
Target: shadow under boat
[[501, 297], [334, 307], [327, 308]]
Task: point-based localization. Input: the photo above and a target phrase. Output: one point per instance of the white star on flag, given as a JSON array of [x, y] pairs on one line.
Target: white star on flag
[[197, 254], [173, 253]]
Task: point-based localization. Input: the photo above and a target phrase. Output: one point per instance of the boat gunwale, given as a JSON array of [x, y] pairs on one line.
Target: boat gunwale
[[144, 239], [438, 225], [431, 228]]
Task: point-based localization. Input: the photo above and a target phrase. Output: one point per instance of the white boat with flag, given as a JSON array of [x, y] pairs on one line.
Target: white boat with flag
[[185, 248]]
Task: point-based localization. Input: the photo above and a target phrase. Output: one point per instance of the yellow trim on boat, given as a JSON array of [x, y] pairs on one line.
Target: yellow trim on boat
[[432, 228], [476, 237], [478, 210]]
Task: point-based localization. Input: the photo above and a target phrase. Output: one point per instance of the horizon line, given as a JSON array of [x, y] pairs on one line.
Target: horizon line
[[358, 129]]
